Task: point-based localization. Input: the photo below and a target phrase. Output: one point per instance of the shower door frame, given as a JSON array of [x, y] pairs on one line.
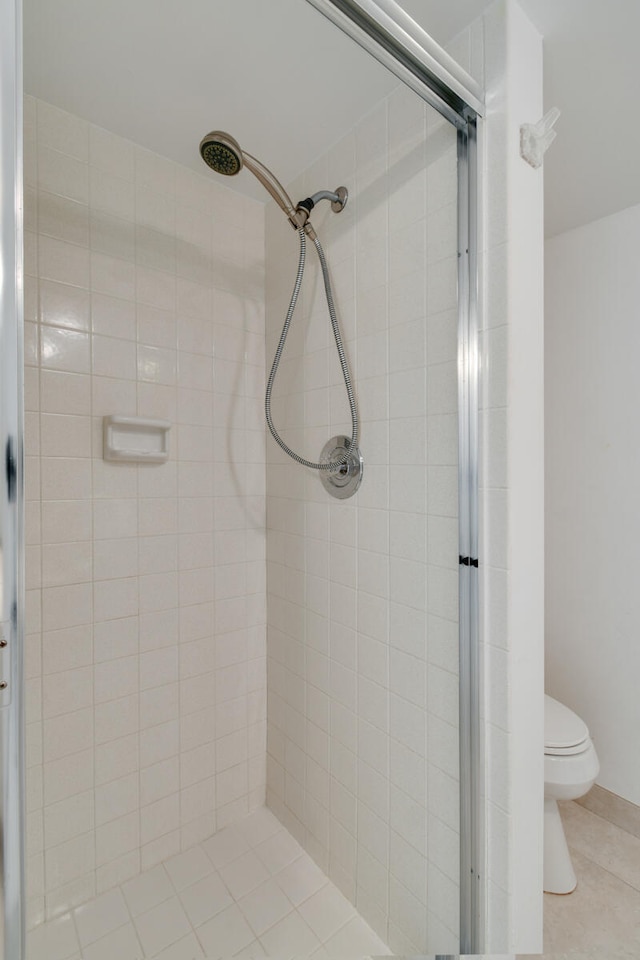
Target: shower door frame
[[390, 35], [12, 743]]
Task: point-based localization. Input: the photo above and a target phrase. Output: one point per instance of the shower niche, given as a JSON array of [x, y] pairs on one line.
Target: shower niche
[[136, 439]]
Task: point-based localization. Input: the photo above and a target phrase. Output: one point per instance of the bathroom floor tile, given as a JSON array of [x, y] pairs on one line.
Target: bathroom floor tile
[[147, 890], [244, 874], [225, 846], [279, 851], [101, 916], [266, 898], [186, 949], [301, 879], [254, 950], [204, 899], [259, 826], [187, 868], [603, 911], [120, 943], [613, 809], [604, 843], [326, 911], [355, 939], [56, 940], [291, 937], [226, 934], [265, 906], [162, 926], [602, 916]]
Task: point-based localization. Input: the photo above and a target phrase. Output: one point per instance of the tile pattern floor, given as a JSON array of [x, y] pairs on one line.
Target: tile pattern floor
[[248, 891], [601, 918]]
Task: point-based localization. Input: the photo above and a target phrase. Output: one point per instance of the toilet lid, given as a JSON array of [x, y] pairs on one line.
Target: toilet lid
[[562, 727]]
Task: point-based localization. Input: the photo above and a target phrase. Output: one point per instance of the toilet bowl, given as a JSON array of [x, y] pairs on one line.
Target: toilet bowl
[[570, 770]]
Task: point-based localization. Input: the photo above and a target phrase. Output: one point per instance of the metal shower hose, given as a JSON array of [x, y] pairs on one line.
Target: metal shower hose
[[334, 464]]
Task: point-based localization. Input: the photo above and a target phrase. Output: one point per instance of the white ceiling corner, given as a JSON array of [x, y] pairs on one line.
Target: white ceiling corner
[[287, 84]]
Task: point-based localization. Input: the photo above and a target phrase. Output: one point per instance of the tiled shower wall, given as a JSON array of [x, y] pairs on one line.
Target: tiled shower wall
[[362, 593], [146, 584]]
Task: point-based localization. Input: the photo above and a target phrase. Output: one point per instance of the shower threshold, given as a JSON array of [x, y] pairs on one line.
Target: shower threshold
[[248, 891]]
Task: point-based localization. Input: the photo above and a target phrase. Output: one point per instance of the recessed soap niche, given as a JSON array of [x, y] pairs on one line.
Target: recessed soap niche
[[136, 439]]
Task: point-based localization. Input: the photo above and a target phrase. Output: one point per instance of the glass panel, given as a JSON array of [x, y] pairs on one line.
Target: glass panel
[[362, 600], [209, 637]]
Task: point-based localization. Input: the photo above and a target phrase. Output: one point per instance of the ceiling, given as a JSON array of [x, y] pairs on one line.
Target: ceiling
[[287, 84], [275, 74], [590, 73]]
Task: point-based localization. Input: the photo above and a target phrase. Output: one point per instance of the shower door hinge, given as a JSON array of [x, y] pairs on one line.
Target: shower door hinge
[[5, 664], [468, 561]]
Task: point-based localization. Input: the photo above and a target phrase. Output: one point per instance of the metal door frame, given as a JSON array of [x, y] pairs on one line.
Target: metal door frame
[[12, 791]]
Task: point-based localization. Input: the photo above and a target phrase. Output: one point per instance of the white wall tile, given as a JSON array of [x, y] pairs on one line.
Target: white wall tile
[[61, 130], [62, 349], [111, 193], [70, 732], [63, 175], [63, 262], [116, 223]]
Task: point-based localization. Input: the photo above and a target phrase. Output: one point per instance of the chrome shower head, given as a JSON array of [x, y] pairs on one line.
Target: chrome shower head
[[222, 153]]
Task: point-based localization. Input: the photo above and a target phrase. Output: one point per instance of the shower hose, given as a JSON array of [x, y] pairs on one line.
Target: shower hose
[[353, 443]]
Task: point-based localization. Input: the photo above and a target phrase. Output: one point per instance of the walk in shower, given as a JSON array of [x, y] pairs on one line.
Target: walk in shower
[[250, 667]]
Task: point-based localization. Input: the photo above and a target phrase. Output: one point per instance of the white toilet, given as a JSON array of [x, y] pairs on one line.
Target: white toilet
[[570, 769]]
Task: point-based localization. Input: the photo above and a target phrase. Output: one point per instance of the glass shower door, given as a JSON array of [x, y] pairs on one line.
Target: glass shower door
[[364, 614], [362, 607]]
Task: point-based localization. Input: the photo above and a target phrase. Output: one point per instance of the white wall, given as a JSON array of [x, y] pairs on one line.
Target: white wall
[[592, 481], [524, 554]]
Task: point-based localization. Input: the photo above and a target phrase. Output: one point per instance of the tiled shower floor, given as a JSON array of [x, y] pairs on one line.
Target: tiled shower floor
[[249, 891]]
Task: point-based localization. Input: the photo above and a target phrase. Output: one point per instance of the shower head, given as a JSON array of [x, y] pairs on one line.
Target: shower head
[[222, 153]]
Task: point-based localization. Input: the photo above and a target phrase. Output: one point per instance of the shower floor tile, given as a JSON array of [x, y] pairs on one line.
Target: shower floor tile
[[248, 891]]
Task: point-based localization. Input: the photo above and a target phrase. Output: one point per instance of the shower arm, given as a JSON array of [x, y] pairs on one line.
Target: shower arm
[[298, 216]]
